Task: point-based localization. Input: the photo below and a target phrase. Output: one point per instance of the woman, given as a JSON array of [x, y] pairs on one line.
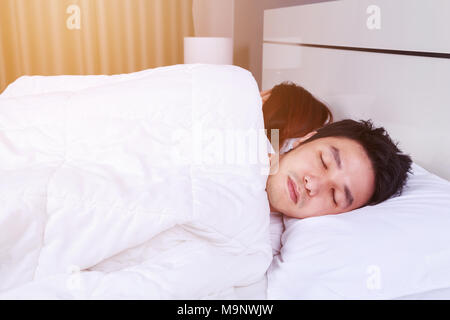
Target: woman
[[294, 111]]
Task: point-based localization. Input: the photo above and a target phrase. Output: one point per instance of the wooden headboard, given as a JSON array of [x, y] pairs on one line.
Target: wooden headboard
[[384, 60]]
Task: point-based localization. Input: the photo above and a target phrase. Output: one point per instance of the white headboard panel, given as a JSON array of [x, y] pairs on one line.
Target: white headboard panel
[[398, 75]]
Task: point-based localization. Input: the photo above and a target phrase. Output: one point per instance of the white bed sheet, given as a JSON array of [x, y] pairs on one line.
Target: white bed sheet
[[439, 294], [258, 290]]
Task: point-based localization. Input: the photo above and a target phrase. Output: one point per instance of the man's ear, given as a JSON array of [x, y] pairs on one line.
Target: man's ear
[[301, 139]]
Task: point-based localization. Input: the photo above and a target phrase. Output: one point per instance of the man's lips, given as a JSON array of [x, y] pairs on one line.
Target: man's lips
[[292, 188]]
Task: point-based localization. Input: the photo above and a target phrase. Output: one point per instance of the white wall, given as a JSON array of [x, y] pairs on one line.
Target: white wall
[[213, 18]]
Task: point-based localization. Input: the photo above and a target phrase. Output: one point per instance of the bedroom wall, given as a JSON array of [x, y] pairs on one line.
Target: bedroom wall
[[241, 19], [213, 18], [248, 31]]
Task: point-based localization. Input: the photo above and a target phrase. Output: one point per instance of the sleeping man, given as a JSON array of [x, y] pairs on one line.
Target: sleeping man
[[338, 168]]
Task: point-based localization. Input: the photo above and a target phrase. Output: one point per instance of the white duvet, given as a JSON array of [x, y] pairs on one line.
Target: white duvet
[[93, 204]]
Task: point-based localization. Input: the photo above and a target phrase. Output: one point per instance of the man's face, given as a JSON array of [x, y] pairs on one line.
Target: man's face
[[325, 176]]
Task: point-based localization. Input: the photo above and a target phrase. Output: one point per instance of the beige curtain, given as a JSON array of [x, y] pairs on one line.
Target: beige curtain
[[52, 37]]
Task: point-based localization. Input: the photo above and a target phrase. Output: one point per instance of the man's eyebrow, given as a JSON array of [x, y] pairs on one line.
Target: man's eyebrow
[[336, 155], [337, 158]]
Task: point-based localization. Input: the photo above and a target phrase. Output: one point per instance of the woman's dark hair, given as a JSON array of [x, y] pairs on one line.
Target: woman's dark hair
[[390, 165], [294, 111]]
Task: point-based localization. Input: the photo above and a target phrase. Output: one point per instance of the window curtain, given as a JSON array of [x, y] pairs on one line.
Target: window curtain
[[53, 37]]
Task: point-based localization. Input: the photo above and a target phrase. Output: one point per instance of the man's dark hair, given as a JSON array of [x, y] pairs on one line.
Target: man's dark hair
[[390, 165]]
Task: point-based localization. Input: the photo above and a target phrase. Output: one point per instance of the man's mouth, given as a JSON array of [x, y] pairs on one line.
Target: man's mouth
[[292, 187]]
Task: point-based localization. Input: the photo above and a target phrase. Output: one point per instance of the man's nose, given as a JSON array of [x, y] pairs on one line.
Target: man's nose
[[314, 184]]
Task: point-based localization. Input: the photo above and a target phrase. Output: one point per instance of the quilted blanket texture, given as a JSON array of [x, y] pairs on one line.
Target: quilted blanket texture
[[129, 188]]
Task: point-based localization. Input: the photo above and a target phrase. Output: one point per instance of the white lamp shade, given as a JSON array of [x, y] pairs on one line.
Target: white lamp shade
[[210, 50]]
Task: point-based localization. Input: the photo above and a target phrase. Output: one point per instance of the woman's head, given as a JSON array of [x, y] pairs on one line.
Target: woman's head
[[294, 111]]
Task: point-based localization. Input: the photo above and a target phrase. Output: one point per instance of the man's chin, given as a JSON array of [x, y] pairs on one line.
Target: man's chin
[[290, 215], [284, 212]]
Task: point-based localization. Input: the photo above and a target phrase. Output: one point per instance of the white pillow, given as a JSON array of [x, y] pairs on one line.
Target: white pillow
[[397, 248]]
